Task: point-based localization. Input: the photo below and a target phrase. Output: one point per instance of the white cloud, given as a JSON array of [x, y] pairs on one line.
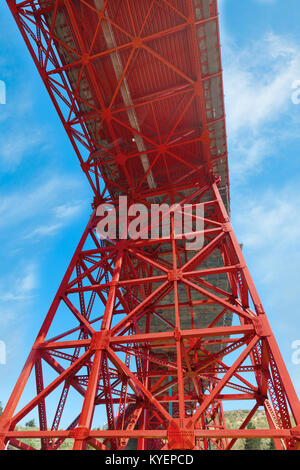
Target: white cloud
[[258, 87], [44, 231], [19, 284], [15, 145], [19, 100], [62, 215], [269, 227], [266, 1], [258, 84], [248, 156], [17, 293], [28, 282], [20, 135], [222, 2], [67, 211], [40, 202]]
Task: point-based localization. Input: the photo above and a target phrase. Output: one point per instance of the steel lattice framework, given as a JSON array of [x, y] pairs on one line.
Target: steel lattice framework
[[158, 337]]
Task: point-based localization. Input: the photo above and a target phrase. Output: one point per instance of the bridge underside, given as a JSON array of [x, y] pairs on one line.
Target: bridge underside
[[147, 336]]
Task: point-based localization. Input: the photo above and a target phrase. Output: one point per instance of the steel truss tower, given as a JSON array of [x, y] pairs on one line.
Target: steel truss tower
[[144, 334]]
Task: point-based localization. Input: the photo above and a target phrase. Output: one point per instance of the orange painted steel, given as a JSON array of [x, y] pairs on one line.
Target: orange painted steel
[[145, 335]]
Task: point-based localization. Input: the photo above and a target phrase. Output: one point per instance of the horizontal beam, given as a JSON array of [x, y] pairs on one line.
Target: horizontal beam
[[159, 434], [149, 337], [185, 334]]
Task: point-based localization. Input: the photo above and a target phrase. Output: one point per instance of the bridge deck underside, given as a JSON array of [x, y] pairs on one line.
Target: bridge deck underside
[[147, 80], [147, 84], [147, 330]]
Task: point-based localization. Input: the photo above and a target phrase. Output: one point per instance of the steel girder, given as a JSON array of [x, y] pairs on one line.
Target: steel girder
[[153, 336], [157, 379], [129, 131]]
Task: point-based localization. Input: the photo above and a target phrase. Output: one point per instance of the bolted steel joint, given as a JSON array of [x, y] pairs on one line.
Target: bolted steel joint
[[177, 334], [175, 275], [295, 432], [181, 434], [85, 167], [79, 433], [262, 326], [100, 340]]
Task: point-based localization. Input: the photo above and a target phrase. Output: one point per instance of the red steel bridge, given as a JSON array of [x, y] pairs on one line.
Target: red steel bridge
[[145, 340]]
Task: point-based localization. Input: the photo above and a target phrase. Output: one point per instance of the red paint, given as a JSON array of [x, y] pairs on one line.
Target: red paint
[[147, 129]]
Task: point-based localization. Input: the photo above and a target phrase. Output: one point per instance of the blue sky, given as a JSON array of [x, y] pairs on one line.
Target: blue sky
[[44, 198]]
